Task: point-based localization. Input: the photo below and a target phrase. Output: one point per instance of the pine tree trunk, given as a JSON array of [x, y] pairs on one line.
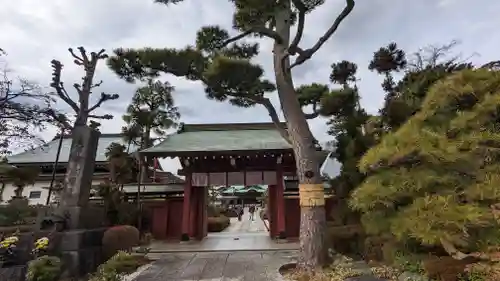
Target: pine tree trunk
[[2, 189], [144, 163], [312, 202]]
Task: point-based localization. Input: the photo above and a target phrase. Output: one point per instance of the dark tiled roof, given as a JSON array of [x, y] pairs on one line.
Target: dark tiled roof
[[47, 153], [222, 137]]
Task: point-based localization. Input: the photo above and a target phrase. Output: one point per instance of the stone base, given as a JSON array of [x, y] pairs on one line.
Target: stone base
[[14, 273], [80, 251], [88, 217]]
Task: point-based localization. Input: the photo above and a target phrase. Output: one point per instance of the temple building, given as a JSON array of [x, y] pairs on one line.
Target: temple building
[[44, 159]]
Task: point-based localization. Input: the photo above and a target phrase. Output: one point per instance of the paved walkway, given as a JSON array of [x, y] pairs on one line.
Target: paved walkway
[[245, 266], [246, 225], [244, 235]]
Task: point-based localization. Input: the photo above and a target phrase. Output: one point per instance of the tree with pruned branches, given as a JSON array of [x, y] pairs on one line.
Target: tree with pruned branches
[[82, 109], [81, 106], [224, 65]]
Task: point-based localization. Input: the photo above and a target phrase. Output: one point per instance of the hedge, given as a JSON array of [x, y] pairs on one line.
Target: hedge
[[218, 224]]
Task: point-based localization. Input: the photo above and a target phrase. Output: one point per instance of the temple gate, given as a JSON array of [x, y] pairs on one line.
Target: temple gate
[[226, 155]]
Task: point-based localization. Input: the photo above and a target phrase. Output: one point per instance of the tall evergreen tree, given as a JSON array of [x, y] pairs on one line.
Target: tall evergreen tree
[[347, 126], [152, 110], [404, 97], [224, 65]]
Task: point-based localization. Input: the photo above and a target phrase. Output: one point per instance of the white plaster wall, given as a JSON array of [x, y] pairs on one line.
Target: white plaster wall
[[8, 192]]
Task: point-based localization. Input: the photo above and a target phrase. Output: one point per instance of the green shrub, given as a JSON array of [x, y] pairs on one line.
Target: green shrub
[[218, 224], [18, 212], [230, 213], [44, 268], [120, 264], [124, 263], [214, 211], [347, 240], [122, 237], [436, 178]]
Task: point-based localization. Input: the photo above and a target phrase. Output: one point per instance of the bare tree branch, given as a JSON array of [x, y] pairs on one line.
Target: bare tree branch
[[59, 86], [89, 64], [78, 60], [105, 116], [104, 97], [260, 30], [307, 54]]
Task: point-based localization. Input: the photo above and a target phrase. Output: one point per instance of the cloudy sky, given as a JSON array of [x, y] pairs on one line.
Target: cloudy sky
[[34, 32]]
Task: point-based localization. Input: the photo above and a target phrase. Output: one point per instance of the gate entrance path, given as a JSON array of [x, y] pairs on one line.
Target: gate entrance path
[[214, 266]]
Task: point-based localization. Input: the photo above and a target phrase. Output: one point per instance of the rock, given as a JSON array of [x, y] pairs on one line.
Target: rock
[[361, 266], [410, 276]]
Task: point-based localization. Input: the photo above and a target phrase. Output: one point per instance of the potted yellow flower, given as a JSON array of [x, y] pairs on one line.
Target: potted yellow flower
[[40, 246], [8, 250]]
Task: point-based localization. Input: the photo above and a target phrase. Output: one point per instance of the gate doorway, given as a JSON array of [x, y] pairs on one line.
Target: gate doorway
[[244, 154]]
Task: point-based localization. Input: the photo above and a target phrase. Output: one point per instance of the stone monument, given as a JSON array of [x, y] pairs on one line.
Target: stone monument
[[77, 228]]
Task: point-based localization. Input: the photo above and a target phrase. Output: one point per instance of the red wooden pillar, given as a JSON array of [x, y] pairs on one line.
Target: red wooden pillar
[[280, 203], [186, 208], [272, 213], [193, 211]]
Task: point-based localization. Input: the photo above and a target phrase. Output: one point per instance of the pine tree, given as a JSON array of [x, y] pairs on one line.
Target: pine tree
[[152, 110], [421, 71], [19, 177], [436, 179], [347, 126], [224, 65], [121, 164]]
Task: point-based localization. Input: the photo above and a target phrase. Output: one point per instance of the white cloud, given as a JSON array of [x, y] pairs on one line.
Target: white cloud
[[34, 32]]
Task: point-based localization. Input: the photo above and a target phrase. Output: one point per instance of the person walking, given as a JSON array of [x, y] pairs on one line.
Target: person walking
[[239, 211], [251, 210]]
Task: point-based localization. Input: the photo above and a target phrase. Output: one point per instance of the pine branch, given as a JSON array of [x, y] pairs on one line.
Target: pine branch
[[307, 54], [293, 48], [273, 114], [313, 114], [264, 31]]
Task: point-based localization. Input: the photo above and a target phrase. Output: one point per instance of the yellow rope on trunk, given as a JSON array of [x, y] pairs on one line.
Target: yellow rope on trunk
[[311, 195]]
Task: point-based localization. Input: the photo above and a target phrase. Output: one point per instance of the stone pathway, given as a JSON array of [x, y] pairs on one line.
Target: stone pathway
[[225, 241], [244, 235], [251, 266], [246, 225]]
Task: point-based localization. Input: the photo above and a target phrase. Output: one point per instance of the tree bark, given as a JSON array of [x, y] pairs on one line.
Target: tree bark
[[144, 163], [313, 219], [2, 189]]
